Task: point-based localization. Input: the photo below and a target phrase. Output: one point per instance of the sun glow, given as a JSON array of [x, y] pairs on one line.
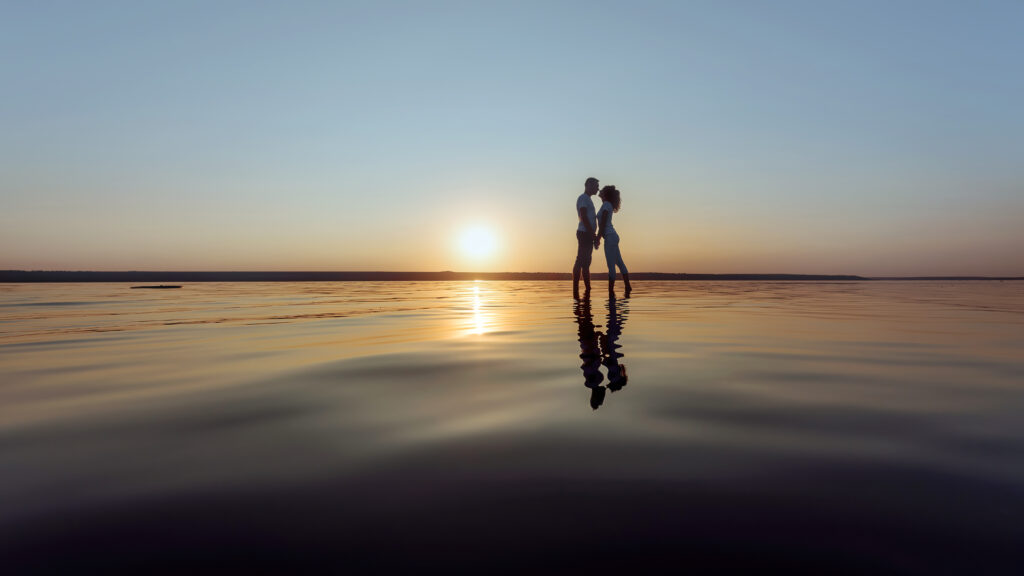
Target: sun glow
[[478, 242]]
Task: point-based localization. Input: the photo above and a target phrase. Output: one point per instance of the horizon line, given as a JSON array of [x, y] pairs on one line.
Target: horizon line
[[34, 276]]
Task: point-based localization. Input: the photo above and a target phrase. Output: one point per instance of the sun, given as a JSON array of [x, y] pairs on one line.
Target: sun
[[478, 242]]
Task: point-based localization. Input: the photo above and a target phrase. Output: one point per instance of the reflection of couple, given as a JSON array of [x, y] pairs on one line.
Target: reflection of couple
[[597, 349], [591, 230]]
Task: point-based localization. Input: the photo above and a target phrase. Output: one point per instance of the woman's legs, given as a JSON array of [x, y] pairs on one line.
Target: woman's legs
[[614, 258]]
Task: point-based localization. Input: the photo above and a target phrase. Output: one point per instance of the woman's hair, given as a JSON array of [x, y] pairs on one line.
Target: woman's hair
[[611, 194]]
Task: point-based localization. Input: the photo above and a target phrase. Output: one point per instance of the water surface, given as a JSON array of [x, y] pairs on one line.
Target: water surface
[[505, 426]]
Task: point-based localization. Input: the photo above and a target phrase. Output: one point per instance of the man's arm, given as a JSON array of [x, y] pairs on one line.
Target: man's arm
[[586, 221]]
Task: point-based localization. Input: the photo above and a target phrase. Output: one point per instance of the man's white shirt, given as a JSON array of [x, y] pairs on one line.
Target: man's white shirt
[[585, 202]]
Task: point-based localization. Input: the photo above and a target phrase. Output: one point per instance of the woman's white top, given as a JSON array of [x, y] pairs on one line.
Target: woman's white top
[[606, 207]]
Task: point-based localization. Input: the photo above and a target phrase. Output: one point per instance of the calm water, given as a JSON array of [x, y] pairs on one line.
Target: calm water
[[378, 427]]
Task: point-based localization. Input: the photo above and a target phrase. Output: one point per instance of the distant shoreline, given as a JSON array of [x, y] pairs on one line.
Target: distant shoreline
[[36, 276]]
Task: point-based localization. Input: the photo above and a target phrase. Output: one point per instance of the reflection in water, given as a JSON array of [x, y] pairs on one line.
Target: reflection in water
[[361, 427], [617, 312], [597, 348], [479, 325]]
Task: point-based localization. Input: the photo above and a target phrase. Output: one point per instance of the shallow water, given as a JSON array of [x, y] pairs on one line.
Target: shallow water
[[503, 426]]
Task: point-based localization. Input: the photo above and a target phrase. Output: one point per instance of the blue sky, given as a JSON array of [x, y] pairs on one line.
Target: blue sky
[[876, 138]]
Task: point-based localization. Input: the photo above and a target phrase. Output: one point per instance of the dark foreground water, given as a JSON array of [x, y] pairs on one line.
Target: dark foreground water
[[864, 427]]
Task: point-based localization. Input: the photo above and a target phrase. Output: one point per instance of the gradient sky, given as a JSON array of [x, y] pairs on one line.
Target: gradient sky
[[873, 138]]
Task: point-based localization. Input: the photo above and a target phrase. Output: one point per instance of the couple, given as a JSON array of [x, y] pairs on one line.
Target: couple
[[598, 349], [591, 230]]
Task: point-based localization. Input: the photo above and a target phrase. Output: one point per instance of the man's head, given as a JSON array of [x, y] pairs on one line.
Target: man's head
[[591, 186]]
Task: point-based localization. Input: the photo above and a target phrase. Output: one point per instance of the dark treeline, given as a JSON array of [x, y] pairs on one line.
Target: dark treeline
[[168, 276], [1000, 278], [133, 276]]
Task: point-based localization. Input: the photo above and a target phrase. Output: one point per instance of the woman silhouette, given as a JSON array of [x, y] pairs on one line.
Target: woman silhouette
[[617, 312], [612, 200]]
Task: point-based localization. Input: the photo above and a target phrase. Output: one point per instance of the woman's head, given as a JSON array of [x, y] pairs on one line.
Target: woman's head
[[611, 194]]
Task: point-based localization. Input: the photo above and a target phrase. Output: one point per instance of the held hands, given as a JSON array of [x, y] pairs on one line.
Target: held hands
[[597, 242]]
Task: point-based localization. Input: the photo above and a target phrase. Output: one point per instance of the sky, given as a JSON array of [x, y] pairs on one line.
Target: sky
[[872, 138]]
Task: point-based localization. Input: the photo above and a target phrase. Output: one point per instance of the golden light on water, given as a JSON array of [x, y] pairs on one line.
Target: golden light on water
[[479, 320]]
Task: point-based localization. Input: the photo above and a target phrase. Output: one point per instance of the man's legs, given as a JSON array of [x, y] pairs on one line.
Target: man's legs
[[584, 252]]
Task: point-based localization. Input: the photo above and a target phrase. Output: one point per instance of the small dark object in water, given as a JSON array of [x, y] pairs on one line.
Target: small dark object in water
[[154, 287]]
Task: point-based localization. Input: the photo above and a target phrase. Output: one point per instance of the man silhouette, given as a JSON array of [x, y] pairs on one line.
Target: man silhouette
[[590, 352], [586, 234]]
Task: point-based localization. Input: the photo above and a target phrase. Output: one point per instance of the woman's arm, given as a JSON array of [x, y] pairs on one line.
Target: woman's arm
[[600, 230]]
